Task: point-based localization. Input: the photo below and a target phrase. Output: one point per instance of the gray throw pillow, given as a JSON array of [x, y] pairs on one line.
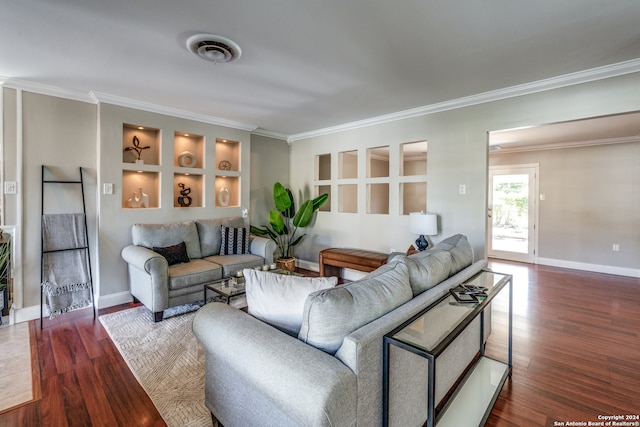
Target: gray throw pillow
[[332, 314], [460, 249], [427, 269]]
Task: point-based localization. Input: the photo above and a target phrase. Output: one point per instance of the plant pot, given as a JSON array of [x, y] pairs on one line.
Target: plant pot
[[286, 263], [139, 162]]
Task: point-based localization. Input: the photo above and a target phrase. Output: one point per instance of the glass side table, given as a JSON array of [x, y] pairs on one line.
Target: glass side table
[[431, 331], [225, 287]]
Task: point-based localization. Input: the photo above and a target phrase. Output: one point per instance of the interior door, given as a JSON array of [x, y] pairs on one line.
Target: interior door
[[512, 212]]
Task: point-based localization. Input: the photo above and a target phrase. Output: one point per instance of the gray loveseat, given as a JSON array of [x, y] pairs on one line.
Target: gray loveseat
[[331, 373], [159, 285]]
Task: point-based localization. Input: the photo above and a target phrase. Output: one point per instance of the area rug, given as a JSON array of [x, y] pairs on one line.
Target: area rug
[[19, 366], [166, 359]]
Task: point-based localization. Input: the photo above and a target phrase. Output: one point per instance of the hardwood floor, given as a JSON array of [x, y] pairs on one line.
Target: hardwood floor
[[576, 347], [85, 381], [576, 356]]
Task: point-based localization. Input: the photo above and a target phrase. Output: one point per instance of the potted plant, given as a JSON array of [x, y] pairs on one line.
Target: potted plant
[[286, 222]]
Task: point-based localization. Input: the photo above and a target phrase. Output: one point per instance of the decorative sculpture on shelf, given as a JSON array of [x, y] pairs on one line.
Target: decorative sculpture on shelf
[[141, 201], [224, 197], [184, 200], [224, 165], [187, 159], [136, 147]]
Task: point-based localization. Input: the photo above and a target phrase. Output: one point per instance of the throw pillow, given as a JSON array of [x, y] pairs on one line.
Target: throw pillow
[[173, 254], [460, 249], [235, 240], [332, 314], [279, 299]]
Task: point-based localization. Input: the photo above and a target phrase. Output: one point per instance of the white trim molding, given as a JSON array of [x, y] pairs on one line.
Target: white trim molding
[[595, 268], [599, 73], [169, 111]]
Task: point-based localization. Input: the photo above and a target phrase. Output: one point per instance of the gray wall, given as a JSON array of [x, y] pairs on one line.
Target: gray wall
[[457, 155], [269, 164], [61, 134], [592, 200], [115, 221]]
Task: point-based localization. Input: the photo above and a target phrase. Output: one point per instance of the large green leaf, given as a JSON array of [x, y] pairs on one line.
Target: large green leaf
[[281, 197], [275, 219], [303, 216], [319, 201]]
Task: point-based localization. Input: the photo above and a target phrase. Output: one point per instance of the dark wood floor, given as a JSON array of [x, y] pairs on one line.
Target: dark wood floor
[[576, 347], [576, 356]]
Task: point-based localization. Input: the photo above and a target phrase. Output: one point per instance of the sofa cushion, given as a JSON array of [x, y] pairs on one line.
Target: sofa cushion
[[196, 272], [278, 299], [235, 240], [331, 314], [427, 269], [232, 263], [210, 232], [460, 249], [173, 254], [162, 235]]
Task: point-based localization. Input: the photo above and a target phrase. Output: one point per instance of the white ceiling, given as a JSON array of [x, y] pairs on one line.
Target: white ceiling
[[309, 65]]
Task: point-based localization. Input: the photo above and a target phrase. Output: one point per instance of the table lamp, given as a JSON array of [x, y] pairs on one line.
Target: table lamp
[[423, 224]]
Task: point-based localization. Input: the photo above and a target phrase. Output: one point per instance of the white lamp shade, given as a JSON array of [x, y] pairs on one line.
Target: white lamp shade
[[423, 223]]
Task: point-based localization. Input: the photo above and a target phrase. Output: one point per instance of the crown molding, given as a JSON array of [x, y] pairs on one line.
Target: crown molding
[[170, 111], [45, 89], [97, 97], [563, 145], [599, 73], [270, 134]]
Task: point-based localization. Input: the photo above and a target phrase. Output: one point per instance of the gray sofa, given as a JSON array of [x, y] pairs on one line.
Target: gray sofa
[[331, 373], [159, 285]]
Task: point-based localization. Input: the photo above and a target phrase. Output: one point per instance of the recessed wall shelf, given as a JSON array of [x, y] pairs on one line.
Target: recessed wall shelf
[[140, 145], [187, 190]]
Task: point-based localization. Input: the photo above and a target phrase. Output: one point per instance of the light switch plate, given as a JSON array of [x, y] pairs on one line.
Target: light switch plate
[[10, 187], [108, 188]]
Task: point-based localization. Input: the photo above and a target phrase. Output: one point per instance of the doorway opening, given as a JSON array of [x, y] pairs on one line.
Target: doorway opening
[[512, 212]]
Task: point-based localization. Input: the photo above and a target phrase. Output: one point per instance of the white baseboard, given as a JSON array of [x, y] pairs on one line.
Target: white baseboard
[[596, 268], [114, 299], [33, 312]]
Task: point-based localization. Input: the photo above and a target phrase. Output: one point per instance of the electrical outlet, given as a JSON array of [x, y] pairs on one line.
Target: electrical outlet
[[108, 188], [616, 247], [462, 189], [245, 213], [10, 187]]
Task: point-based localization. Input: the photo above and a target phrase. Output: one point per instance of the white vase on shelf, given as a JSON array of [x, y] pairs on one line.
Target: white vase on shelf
[[144, 199], [138, 201], [224, 197], [134, 201]]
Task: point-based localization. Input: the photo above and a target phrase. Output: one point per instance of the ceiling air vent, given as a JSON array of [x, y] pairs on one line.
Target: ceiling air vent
[[214, 48]]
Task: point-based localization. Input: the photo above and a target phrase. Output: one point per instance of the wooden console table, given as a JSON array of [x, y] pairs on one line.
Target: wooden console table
[[332, 260]]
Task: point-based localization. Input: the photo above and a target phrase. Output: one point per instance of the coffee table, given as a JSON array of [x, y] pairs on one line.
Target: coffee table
[[226, 288], [229, 287]]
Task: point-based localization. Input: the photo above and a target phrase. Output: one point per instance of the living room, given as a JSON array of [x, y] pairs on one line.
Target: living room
[[65, 128]]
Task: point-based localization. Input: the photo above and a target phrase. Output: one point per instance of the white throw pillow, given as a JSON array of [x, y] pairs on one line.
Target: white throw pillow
[[279, 299]]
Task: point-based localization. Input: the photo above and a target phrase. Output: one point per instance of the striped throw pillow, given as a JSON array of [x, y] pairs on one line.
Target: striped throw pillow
[[234, 240]]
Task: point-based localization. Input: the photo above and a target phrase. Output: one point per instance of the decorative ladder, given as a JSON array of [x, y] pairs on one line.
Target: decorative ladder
[[82, 247]]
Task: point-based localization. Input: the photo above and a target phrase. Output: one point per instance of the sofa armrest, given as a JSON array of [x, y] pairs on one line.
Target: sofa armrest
[[309, 386], [144, 259], [263, 247], [148, 276]]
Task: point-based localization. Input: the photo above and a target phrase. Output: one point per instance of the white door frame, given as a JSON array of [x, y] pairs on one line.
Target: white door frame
[[534, 192]]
